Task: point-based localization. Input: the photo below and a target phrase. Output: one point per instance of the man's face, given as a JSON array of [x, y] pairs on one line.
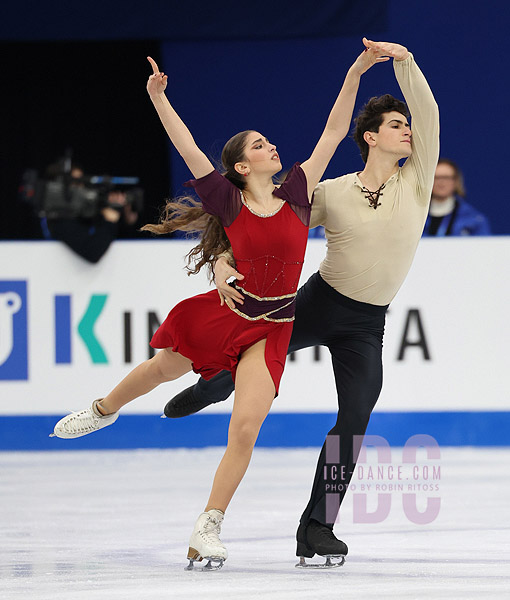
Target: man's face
[[394, 135]]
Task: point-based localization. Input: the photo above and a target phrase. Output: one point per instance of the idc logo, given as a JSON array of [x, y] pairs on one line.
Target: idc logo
[[13, 330]]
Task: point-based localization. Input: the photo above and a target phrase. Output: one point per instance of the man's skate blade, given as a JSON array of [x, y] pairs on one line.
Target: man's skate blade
[[213, 564], [338, 561]]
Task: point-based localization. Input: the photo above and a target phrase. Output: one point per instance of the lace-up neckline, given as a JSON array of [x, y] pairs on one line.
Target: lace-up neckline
[[373, 197]]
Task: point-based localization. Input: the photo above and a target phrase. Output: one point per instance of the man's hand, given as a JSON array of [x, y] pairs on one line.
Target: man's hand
[[395, 51], [228, 294]]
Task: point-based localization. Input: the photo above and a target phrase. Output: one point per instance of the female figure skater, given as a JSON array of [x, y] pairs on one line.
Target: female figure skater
[[267, 227]]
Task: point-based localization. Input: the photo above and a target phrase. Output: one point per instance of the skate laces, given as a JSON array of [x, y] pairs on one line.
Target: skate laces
[[81, 421], [211, 529]]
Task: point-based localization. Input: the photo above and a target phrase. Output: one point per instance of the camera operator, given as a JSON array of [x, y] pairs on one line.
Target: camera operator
[[86, 213]]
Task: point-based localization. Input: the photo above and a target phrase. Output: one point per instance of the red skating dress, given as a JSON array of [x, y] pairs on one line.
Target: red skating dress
[[269, 251]]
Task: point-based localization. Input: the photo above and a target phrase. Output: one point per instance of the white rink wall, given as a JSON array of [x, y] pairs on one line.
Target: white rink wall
[[64, 335]]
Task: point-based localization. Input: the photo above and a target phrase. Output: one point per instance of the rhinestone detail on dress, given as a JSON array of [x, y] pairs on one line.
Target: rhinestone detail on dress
[[264, 216]]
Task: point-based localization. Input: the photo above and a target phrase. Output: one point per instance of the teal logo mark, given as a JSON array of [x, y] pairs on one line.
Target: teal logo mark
[[63, 331]]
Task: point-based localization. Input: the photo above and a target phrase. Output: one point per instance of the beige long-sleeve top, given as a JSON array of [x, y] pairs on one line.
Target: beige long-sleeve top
[[369, 252]]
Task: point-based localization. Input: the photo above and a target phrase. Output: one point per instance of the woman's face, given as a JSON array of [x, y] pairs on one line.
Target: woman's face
[[260, 155], [445, 181]]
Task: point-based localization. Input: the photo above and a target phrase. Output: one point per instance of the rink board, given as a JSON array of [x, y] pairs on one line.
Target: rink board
[[291, 430], [70, 330]]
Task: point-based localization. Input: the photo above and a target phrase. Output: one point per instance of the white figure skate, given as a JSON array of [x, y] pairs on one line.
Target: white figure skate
[[205, 542], [81, 423]]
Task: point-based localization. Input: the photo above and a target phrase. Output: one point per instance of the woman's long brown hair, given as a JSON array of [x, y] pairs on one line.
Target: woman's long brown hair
[[186, 214]]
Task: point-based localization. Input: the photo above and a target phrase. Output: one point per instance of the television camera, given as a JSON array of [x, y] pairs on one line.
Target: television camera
[[68, 197]]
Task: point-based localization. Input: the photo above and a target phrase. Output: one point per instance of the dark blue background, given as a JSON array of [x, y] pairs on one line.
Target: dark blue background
[[286, 89], [277, 67], [189, 20]]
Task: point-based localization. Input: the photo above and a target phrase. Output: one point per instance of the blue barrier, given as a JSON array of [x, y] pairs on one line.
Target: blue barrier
[[279, 430]]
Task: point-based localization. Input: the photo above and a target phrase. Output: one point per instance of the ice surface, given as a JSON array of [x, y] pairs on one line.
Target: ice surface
[[108, 525]]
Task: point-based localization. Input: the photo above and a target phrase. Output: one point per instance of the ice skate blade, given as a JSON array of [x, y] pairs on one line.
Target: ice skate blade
[[210, 566], [302, 564]]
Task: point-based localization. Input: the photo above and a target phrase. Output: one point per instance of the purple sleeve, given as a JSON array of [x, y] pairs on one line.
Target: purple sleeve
[[294, 190], [219, 196]]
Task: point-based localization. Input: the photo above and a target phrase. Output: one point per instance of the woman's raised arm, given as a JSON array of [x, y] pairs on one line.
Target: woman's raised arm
[[179, 134], [339, 121]]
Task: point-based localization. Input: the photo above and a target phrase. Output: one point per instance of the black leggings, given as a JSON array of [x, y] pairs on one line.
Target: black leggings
[[353, 332]]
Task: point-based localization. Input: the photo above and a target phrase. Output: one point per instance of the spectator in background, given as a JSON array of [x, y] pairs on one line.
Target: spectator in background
[[449, 213]]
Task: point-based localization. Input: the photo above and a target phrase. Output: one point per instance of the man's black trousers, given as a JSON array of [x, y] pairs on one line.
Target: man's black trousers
[[353, 332]]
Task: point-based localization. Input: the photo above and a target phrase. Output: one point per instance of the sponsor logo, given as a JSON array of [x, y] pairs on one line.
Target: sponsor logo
[[63, 329], [63, 313], [13, 331]]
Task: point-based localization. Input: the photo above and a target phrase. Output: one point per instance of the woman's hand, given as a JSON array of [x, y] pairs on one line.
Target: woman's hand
[[156, 84], [368, 58], [389, 49], [228, 294]]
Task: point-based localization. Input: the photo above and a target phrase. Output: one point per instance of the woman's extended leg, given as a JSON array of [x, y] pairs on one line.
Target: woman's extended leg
[[165, 366], [254, 394]]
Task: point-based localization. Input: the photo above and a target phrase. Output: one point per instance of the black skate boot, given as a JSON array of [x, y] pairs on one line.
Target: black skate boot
[[316, 538], [185, 403], [200, 395]]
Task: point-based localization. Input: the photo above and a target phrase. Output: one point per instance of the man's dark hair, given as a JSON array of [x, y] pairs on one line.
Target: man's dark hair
[[370, 118]]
